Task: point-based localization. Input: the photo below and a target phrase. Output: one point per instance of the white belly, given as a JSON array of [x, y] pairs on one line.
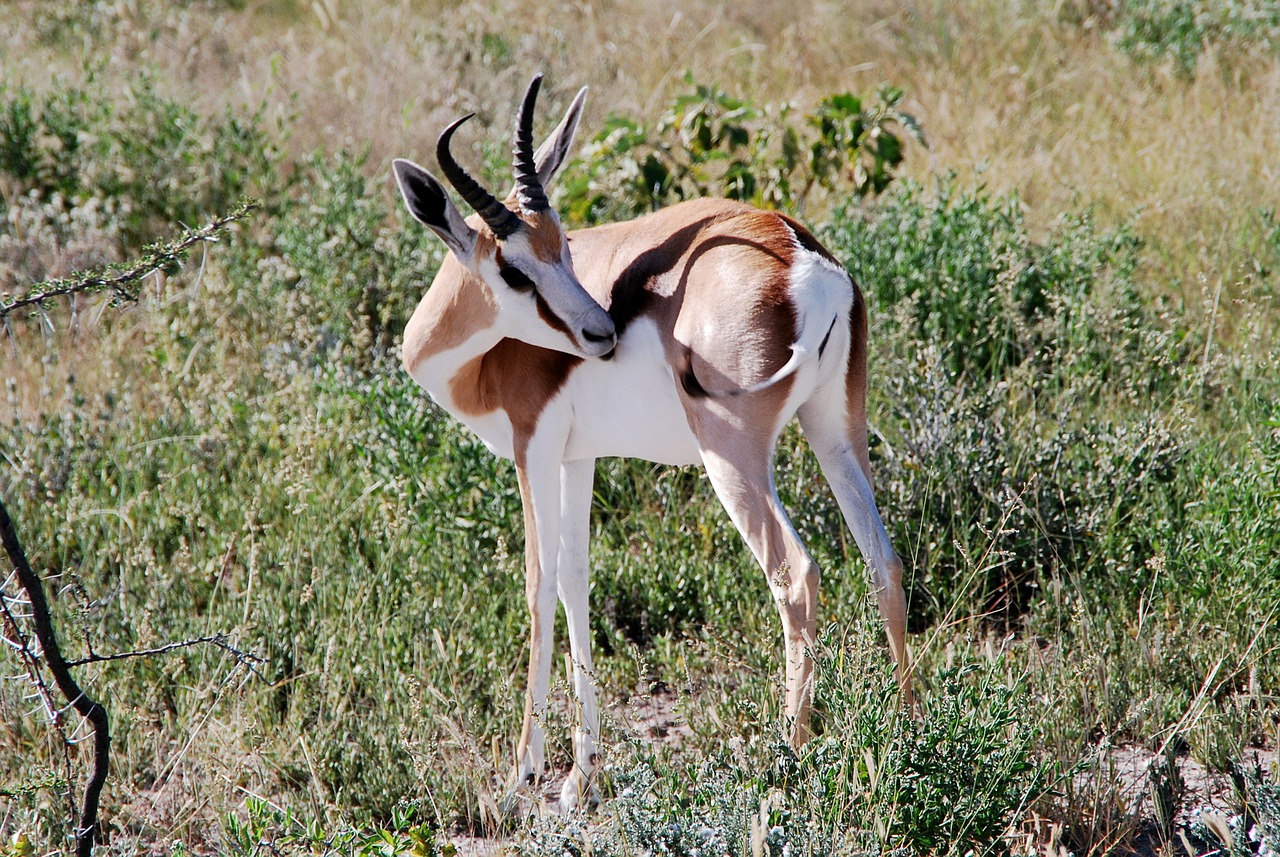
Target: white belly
[[628, 406], [625, 407]]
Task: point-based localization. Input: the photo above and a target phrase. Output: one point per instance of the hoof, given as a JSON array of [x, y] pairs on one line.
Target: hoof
[[519, 797], [579, 793]]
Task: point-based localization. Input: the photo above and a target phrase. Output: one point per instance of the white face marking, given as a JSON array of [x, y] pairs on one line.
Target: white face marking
[[578, 325]]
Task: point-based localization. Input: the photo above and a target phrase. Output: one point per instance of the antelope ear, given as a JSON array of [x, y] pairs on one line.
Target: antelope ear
[[551, 154], [429, 203]]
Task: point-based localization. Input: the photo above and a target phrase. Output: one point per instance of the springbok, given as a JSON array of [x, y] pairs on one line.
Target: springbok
[[689, 336]]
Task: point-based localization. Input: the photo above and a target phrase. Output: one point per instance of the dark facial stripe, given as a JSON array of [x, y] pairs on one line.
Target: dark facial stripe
[[545, 312], [549, 317], [516, 278]]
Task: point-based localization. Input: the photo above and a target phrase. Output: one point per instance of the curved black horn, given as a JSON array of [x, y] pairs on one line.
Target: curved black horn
[[501, 219], [528, 188]]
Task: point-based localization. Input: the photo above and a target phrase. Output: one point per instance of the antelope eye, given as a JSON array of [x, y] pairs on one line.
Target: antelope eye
[[515, 278]]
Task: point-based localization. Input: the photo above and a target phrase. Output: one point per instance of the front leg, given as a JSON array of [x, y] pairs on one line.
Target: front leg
[[539, 478], [574, 584]]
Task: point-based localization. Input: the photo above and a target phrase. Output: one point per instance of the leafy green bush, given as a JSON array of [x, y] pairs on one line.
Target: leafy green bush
[[964, 773], [276, 830], [710, 143]]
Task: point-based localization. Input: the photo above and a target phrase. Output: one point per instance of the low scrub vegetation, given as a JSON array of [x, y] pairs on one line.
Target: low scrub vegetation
[[1077, 454], [1182, 31]]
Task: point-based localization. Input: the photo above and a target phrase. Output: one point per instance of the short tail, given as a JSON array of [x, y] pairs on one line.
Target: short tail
[[803, 350]]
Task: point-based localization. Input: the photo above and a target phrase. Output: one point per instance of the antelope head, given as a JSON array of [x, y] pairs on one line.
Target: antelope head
[[517, 249]]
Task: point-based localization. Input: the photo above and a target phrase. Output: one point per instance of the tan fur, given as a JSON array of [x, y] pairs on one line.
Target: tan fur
[[517, 378], [737, 317], [450, 312], [665, 266], [545, 235]]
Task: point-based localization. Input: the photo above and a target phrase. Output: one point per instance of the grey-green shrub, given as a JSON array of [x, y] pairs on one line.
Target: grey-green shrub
[[1182, 30], [996, 355], [876, 780], [155, 160]]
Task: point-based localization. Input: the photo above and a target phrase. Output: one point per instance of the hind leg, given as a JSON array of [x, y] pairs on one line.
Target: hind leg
[[842, 453], [741, 471]]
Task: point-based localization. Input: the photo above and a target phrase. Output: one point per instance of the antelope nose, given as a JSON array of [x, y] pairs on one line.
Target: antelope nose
[[598, 327], [600, 336]]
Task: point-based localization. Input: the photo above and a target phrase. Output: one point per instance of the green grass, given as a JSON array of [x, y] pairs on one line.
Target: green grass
[[1079, 462]]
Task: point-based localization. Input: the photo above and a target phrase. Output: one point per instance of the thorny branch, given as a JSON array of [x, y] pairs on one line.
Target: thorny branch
[[248, 660], [161, 256]]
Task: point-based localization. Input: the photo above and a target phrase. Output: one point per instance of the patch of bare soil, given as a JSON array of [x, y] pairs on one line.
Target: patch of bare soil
[[653, 717], [1130, 801], [1207, 796]]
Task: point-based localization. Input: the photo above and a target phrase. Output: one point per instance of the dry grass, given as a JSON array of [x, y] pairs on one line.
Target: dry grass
[[1023, 98]]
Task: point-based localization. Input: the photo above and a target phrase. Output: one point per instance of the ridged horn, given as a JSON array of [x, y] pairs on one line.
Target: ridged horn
[[528, 187], [501, 219]]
